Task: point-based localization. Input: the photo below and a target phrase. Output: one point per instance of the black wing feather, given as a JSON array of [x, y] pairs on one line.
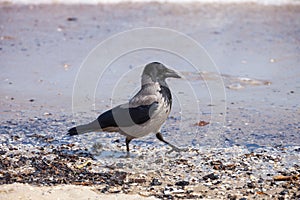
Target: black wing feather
[[121, 116]]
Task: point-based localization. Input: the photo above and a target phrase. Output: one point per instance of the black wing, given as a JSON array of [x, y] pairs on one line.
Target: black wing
[[122, 116]]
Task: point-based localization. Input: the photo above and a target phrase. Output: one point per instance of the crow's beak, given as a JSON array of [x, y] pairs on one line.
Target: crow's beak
[[172, 74]]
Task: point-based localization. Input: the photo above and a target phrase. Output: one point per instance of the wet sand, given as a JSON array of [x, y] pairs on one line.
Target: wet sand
[[42, 48]]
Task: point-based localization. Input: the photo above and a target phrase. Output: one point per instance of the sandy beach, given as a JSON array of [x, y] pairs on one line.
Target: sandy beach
[[20, 191], [255, 156]]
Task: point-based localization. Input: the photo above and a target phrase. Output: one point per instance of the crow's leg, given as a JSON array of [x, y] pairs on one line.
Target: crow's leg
[[174, 148], [128, 140]]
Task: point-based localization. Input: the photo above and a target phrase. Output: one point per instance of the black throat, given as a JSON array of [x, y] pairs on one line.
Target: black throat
[[166, 93]]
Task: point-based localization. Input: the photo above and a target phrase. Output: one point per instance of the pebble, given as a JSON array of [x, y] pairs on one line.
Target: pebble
[[72, 19], [211, 176], [182, 183], [155, 182], [284, 192]]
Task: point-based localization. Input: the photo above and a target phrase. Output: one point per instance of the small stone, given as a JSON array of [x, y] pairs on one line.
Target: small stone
[[182, 183], [167, 196], [283, 178], [47, 114], [284, 192], [114, 190], [251, 185], [2, 152], [155, 182], [145, 194], [104, 189], [202, 123], [216, 182], [211, 176], [72, 19], [231, 197], [139, 180], [260, 180]]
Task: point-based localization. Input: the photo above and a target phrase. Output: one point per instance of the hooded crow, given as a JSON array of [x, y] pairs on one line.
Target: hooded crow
[[145, 113]]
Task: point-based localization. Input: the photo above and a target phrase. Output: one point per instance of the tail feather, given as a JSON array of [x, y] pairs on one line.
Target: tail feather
[[72, 131], [93, 126]]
